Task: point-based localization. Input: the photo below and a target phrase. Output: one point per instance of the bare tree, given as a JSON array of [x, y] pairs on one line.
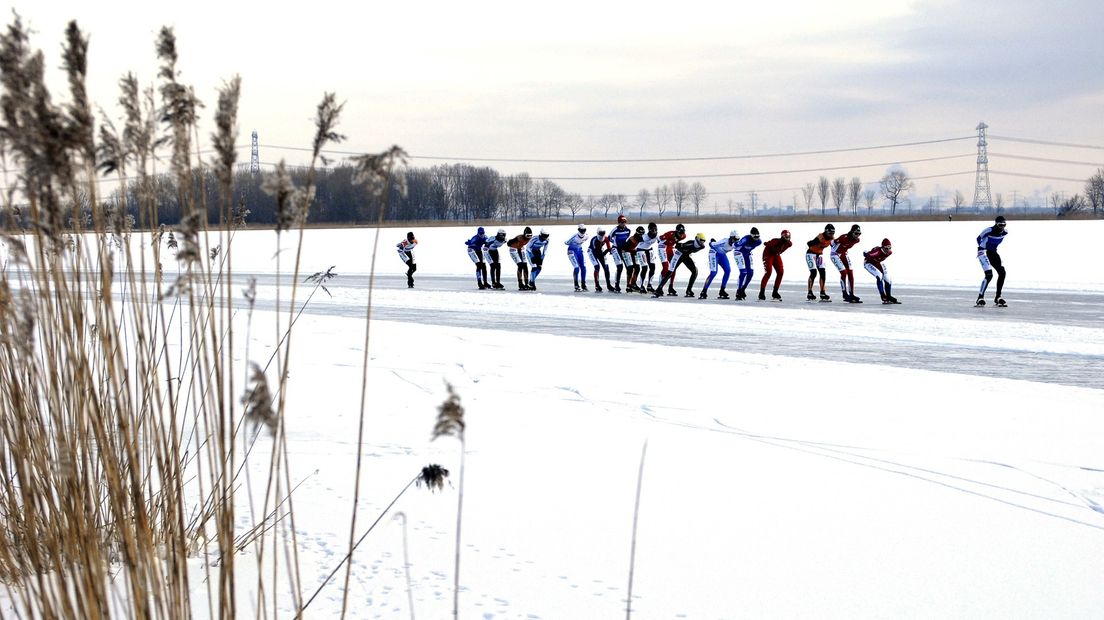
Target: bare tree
[[1074, 204], [643, 197], [662, 198], [1094, 190], [868, 200], [574, 204], [854, 190], [680, 191], [620, 202], [823, 187], [839, 192], [698, 194], [591, 204], [959, 200], [1055, 201], [607, 202], [895, 183], [807, 193]]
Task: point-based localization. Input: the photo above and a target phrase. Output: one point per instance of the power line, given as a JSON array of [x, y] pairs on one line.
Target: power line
[[753, 174], [1048, 142], [1037, 176], [797, 189], [645, 160], [1047, 159]]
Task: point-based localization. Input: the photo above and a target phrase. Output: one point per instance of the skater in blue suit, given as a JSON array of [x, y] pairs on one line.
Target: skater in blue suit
[[742, 254], [575, 244], [536, 249], [475, 252], [718, 257], [990, 260]]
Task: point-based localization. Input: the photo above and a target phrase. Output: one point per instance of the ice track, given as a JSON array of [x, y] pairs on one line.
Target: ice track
[[1067, 346]]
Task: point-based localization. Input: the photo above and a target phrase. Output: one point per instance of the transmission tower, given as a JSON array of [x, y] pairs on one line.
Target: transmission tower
[[255, 157], [983, 199]]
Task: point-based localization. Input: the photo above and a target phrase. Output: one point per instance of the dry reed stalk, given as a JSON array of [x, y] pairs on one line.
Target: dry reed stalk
[[431, 476], [376, 171], [104, 436], [636, 518], [450, 423], [94, 410]]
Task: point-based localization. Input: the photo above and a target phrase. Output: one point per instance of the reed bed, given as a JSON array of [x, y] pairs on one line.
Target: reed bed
[[125, 421]]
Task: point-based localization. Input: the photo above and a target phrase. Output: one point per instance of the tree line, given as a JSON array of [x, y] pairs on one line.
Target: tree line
[[459, 192], [463, 192]]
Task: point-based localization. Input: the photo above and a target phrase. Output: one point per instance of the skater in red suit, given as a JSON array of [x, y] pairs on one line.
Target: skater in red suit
[[772, 260], [667, 243], [874, 262]]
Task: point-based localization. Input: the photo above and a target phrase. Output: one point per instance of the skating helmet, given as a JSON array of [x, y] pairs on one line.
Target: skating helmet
[[830, 229], [640, 230], [886, 245], [621, 219], [700, 237], [680, 229], [480, 231], [785, 234], [754, 232], [582, 228], [733, 234], [528, 232], [652, 228], [501, 234], [410, 236], [601, 231], [999, 221], [544, 233], [855, 230]]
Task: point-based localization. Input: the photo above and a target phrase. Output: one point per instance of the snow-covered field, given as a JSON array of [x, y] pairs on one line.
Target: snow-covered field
[[779, 481]]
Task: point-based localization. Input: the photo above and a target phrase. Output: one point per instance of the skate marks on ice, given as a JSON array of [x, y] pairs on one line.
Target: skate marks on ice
[[972, 349], [1012, 491]]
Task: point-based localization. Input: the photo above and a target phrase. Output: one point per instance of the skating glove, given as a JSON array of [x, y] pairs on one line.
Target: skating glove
[[981, 252]]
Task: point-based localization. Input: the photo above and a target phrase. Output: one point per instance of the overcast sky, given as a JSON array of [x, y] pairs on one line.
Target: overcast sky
[[582, 80]]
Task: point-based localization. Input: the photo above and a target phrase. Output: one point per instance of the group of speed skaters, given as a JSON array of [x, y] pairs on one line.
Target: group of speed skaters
[[635, 254]]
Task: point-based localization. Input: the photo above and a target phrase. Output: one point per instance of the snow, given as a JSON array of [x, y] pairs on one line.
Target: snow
[[777, 482]]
